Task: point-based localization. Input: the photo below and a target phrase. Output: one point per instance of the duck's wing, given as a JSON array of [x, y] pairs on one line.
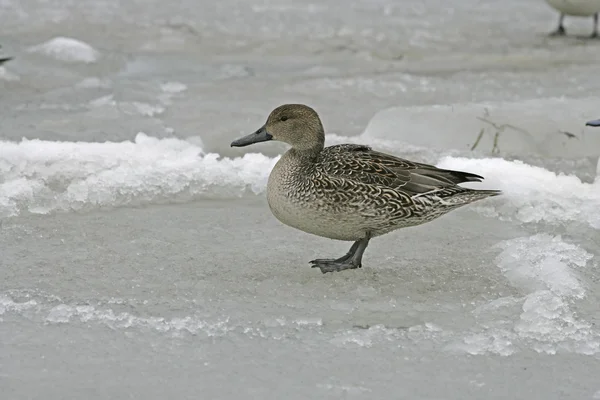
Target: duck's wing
[[360, 163]]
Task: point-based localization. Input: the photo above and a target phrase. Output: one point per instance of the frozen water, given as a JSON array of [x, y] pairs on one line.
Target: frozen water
[[542, 262], [67, 49], [41, 176], [534, 194], [548, 127], [138, 256], [8, 76]]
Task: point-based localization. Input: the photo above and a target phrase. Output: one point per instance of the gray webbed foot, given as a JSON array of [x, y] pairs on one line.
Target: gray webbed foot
[[351, 260], [334, 265], [559, 32], [331, 260]]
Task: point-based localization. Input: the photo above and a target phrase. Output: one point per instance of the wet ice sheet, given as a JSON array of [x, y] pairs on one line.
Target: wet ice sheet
[[368, 300], [405, 313]]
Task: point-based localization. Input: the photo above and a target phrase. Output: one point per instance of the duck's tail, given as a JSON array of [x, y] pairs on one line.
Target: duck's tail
[[447, 175], [467, 196], [488, 192]]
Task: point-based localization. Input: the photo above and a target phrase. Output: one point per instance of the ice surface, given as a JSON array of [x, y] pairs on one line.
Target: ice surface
[[543, 262], [7, 304], [7, 75], [549, 322], [63, 313], [547, 127], [93, 83], [210, 296], [67, 49], [173, 87], [544, 267]]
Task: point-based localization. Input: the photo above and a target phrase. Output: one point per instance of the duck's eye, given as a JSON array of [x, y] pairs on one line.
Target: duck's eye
[[284, 118]]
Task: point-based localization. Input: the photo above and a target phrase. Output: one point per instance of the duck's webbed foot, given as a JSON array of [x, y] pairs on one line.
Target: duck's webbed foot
[[559, 32], [334, 265], [351, 260]]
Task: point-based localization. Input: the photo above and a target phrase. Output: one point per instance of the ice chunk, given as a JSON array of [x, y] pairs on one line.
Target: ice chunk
[[548, 321], [64, 313], [94, 83], [533, 194], [61, 313], [544, 266], [9, 305], [45, 176], [173, 87], [543, 262], [482, 343], [67, 49]]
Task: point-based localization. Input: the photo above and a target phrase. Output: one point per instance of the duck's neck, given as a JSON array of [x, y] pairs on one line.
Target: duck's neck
[[304, 155]]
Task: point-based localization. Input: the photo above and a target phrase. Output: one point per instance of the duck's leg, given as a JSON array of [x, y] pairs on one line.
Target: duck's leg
[[351, 260], [560, 31], [595, 32]]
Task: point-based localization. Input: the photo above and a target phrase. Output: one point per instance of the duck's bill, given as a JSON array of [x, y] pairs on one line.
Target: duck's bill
[[595, 122], [260, 135]]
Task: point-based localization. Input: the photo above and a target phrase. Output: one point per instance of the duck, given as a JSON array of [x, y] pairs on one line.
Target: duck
[[577, 8], [595, 122], [350, 192]]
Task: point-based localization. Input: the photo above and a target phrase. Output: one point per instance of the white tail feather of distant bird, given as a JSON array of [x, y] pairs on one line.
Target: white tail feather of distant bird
[[575, 8]]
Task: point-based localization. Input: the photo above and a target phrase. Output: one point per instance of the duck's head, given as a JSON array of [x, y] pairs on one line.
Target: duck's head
[[595, 122], [295, 124]]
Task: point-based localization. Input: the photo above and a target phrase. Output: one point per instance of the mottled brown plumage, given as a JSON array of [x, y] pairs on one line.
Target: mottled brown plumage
[[349, 191]]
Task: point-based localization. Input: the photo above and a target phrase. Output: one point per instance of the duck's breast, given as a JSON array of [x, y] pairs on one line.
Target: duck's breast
[[295, 199]]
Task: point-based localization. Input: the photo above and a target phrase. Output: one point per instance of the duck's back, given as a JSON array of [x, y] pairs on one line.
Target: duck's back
[[362, 164]]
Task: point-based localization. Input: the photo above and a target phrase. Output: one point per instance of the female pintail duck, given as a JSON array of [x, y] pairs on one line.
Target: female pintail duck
[[577, 8], [350, 192]]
